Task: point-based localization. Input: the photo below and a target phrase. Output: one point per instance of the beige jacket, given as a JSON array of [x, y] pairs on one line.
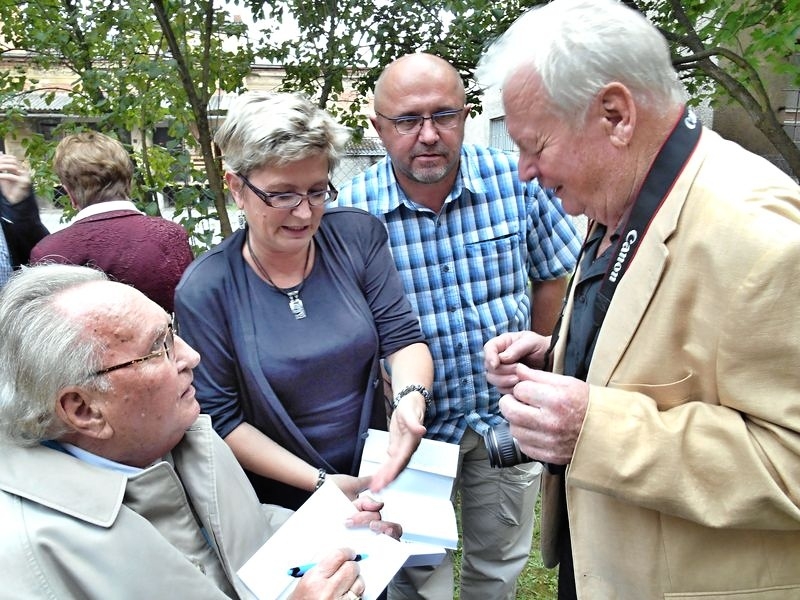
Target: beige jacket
[[67, 534], [685, 482]]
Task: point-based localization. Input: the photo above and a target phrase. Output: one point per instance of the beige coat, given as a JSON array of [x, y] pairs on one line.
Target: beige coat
[[65, 532], [685, 482]]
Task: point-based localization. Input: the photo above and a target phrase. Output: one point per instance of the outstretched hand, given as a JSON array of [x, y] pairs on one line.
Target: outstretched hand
[[405, 433], [350, 485], [369, 516]]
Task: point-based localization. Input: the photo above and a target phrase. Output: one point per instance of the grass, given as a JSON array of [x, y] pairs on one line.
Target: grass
[[535, 582]]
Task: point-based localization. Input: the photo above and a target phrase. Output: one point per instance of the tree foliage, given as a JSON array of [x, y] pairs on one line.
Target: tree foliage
[[135, 65], [723, 47], [139, 64], [348, 42]]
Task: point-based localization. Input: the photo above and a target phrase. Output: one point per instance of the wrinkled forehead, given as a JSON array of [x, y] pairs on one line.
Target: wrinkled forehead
[[110, 309]]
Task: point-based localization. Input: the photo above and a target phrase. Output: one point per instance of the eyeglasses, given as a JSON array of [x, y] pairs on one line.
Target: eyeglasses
[[167, 347], [408, 124], [291, 199]]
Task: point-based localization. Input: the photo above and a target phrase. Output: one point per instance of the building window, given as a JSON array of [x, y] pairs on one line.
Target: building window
[[791, 108], [498, 135], [161, 136], [46, 127], [791, 118]]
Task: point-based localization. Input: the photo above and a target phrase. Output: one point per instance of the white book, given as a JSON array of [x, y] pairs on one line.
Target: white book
[[317, 527], [419, 499]]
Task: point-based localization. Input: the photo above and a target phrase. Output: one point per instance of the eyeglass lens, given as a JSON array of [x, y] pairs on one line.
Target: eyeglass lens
[[292, 199], [446, 119]]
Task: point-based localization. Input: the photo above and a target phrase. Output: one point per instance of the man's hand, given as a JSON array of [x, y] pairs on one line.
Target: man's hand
[[405, 432], [502, 353], [335, 577], [546, 413], [15, 179], [369, 516]]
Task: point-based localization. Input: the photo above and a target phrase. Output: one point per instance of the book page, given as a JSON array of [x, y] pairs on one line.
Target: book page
[[317, 527], [419, 499]]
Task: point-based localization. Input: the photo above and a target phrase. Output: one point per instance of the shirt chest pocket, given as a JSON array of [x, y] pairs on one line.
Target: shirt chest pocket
[[494, 257]]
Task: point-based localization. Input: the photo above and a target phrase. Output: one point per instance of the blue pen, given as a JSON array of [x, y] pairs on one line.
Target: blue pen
[[303, 569]]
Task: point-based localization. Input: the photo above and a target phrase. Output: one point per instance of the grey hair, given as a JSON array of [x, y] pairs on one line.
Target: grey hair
[[42, 352], [266, 129], [580, 46]]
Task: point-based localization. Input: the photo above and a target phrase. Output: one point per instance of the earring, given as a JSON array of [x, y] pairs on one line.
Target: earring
[[242, 219]]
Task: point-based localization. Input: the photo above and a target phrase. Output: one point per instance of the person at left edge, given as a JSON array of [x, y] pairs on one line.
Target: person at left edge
[[22, 227], [293, 314]]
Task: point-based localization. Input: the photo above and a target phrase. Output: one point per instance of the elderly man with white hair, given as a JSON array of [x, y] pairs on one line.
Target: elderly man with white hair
[[111, 483], [671, 421]]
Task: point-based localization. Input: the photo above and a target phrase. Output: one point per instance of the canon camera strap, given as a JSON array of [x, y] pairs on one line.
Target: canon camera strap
[[665, 169]]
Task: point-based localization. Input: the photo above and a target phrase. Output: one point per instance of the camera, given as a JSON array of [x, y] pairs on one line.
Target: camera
[[503, 449]]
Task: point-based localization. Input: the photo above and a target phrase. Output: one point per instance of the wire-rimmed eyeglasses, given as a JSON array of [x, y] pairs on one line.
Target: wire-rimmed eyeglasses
[[408, 124], [291, 199], [167, 346]]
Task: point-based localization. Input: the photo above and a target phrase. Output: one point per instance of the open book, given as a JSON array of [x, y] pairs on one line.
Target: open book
[[317, 527], [419, 499]]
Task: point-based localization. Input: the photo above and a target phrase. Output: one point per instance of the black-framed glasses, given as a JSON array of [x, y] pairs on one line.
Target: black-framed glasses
[[292, 199], [167, 347], [408, 124]]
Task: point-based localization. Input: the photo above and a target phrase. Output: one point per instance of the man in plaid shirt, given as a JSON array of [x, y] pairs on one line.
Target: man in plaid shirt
[[467, 237]]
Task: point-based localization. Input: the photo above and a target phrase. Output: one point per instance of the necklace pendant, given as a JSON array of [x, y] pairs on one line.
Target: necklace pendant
[[296, 305]]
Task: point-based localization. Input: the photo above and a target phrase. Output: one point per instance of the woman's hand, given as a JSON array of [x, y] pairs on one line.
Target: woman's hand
[[351, 486], [405, 432]]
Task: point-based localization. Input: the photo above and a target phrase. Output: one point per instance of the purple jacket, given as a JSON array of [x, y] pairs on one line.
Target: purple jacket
[[149, 253]]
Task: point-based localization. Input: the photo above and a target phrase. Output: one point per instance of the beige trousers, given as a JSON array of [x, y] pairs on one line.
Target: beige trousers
[[497, 519]]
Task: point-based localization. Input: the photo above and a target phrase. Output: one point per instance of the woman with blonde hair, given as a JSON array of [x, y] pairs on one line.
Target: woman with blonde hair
[[294, 313]]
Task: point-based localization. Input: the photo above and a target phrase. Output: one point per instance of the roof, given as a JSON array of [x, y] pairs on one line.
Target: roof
[[369, 146], [38, 102]]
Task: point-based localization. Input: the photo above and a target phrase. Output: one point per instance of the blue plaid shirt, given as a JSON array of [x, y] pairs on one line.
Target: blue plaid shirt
[[6, 269], [466, 270]]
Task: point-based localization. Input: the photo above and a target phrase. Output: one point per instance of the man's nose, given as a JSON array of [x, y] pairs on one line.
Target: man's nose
[[428, 133]]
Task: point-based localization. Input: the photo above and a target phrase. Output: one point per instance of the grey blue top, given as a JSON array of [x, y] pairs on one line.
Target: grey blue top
[[313, 384]]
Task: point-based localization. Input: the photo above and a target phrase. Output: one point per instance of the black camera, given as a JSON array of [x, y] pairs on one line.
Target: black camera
[[503, 449]]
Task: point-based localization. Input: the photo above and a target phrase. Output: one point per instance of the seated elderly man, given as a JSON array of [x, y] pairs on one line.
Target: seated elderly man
[[111, 485]]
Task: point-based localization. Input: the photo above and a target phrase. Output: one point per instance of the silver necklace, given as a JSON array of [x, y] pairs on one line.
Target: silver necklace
[[295, 302]]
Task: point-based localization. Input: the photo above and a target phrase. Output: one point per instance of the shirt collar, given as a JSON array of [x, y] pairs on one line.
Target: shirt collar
[[104, 207], [99, 461], [468, 178]]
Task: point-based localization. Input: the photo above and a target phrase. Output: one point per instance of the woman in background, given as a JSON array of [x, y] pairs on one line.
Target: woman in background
[[293, 314], [109, 232]]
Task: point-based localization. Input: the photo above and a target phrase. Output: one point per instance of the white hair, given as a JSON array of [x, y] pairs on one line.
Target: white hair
[[579, 46], [42, 351]]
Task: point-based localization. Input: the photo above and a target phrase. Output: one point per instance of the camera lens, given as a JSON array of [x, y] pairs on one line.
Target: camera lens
[[502, 448]]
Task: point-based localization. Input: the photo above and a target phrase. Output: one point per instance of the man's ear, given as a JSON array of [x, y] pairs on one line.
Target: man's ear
[[618, 111], [377, 125], [82, 413]]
